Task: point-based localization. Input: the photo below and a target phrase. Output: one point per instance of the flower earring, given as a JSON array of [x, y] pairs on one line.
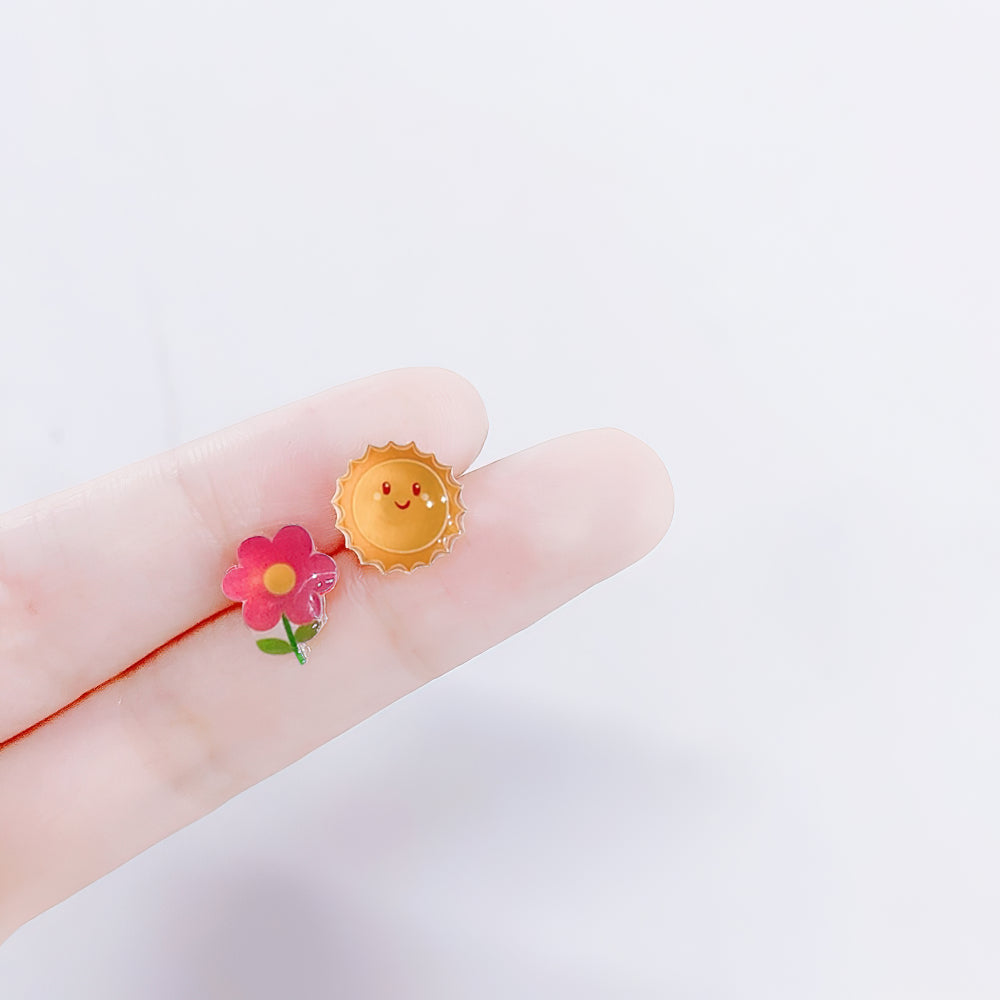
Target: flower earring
[[282, 579], [397, 507]]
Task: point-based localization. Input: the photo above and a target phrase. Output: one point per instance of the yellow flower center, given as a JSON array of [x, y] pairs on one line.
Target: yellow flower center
[[279, 578]]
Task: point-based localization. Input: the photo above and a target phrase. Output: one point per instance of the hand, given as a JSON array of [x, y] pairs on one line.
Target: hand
[[132, 698]]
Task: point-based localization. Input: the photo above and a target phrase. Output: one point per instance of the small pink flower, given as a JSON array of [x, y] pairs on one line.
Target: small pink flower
[[280, 578]]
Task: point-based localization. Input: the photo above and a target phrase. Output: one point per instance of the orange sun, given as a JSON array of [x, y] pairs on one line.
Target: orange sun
[[398, 507]]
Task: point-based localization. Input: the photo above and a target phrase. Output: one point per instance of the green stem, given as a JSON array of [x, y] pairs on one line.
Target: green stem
[[299, 655]]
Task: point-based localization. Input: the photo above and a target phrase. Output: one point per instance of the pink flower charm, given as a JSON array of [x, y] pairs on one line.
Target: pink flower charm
[[282, 580]]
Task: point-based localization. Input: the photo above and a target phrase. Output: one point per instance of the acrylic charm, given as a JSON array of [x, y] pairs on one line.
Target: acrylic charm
[[398, 507], [281, 582]]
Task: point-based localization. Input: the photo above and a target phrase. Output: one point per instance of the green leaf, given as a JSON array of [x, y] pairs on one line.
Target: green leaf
[[275, 646], [305, 632]]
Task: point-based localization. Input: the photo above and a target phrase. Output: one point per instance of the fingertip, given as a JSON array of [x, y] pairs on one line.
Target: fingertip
[[626, 499], [646, 487], [450, 398], [464, 397], [577, 509]]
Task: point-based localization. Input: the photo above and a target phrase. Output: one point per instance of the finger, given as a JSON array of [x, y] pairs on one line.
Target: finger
[[209, 715], [96, 578]]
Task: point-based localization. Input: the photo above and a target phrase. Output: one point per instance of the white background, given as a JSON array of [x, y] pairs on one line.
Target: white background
[[763, 237]]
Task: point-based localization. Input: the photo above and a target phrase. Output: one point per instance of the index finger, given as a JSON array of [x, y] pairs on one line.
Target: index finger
[[94, 579]]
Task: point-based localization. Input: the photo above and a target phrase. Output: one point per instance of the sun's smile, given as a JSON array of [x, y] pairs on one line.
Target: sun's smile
[[402, 506]]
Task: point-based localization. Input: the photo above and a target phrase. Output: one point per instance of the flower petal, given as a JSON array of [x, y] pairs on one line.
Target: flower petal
[[304, 606], [255, 552], [322, 571], [262, 611], [292, 545], [236, 584]]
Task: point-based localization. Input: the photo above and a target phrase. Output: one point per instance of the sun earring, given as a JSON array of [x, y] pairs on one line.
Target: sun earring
[[398, 507]]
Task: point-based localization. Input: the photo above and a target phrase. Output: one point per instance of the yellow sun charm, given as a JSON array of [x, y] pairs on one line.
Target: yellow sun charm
[[398, 507]]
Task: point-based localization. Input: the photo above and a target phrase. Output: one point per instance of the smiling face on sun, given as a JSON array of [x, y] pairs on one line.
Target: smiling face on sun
[[398, 507]]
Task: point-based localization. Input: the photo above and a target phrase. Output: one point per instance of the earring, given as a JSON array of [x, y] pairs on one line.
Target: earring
[[398, 507], [282, 580]]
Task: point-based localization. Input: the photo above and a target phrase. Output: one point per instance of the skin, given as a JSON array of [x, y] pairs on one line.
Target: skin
[[111, 738]]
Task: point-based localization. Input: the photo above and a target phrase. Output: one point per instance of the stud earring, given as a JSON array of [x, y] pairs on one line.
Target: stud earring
[[281, 582], [398, 507]]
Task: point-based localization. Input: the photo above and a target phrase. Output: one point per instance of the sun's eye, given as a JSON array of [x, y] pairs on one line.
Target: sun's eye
[[386, 486], [416, 489]]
